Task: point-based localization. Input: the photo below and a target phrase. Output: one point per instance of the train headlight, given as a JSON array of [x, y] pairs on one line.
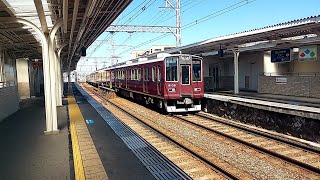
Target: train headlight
[[197, 89], [172, 89]]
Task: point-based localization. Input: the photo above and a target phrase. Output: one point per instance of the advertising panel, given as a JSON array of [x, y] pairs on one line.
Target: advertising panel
[[308, 53]]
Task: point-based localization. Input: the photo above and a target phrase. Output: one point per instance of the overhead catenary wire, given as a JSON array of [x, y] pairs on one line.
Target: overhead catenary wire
[[161, 20], [135, 15], [156, 21], [198, 21]]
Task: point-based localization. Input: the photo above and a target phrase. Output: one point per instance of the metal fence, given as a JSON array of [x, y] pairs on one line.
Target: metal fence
[[290, 74]]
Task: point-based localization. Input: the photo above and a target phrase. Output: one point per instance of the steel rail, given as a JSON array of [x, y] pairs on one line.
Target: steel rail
[[264, 150], [214, 166]]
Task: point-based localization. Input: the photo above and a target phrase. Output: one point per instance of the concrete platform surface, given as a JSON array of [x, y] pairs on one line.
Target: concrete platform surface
[[26, 153], [295, 100], [118, 160], [271, 102]]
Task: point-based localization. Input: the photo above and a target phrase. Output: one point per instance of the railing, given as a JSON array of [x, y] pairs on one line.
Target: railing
[[7, 84], [290, 74]]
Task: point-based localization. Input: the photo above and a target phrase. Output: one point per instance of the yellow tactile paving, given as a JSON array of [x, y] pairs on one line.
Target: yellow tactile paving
[[87, 163]]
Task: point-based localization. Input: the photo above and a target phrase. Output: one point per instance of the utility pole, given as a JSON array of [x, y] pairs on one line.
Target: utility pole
[[169, 4], [113, 55], [178, 21], [96, 63], [176, 31]]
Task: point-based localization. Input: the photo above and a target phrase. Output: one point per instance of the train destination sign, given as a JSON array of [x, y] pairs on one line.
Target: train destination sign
[[279, 56]]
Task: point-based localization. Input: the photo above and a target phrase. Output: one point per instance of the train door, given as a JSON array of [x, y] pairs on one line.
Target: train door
[[159, 80], [145, 79], [126, 78], [185, 88]]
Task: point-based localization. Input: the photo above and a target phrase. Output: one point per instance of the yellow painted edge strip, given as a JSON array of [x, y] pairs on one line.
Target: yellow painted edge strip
[[75, 116]]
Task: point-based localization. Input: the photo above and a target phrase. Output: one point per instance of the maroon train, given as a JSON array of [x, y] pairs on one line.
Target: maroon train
[[173, 82]]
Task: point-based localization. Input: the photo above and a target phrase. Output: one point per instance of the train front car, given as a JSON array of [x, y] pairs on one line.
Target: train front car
[[184, 86]]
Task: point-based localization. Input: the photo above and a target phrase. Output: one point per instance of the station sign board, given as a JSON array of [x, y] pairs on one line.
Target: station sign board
[[308, 53], [280, 56], [281, 80], [37, 64]]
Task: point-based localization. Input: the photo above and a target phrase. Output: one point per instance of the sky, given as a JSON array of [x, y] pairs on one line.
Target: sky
[[200, 20]]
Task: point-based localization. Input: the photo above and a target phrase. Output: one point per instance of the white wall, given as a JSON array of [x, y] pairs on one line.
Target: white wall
[[252, 65], [305, 67], [274, 68], [22, 70], [23, 78], [9, 99], [293, 67]]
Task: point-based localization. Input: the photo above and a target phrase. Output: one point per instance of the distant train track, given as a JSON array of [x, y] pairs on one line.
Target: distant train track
[[297, 157]]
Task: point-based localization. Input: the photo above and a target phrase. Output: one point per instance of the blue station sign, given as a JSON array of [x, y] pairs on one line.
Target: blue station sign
[[279, 56]]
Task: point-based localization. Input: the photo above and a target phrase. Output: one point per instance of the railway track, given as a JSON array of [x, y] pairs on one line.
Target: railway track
[[305, 166], [183, 158], [306, 157]]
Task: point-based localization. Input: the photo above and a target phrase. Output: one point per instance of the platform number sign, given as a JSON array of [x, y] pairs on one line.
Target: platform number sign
[[90, 121]]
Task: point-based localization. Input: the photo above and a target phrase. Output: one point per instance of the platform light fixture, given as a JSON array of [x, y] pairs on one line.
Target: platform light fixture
[[220, 52], [295, 49]]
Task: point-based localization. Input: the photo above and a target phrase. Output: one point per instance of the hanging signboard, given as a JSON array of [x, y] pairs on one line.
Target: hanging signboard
[[308, 53], [37, 63], [280, 56]]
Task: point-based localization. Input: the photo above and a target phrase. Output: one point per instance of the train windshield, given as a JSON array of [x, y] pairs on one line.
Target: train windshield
[[172, 69], [196, 69], [185, 73]]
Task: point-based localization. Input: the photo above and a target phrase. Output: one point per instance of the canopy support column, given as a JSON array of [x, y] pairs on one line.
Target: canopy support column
[[55, 61], [236, 70], [50, 103]]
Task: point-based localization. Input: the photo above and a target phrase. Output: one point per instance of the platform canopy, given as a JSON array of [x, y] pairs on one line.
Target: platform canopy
[[283, 35], [83, 21]]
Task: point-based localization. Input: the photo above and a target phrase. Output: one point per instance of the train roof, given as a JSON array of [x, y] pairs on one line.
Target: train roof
[[143, 61]]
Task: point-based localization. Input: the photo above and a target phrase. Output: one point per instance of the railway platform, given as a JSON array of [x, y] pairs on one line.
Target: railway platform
[[91, 144], [26, 152], [299, 106]]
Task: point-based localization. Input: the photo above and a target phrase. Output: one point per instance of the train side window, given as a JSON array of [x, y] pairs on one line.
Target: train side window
[[172, 69], [153, 73], [196, 70]]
